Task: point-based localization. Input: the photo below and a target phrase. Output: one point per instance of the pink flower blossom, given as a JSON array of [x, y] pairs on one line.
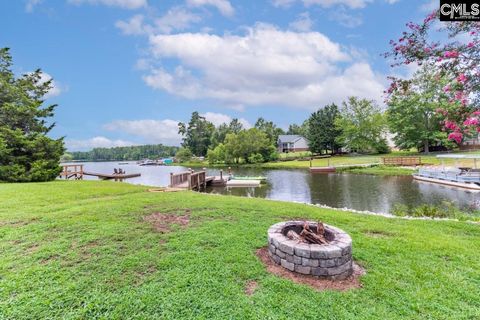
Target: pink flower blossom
[[458, 95], [451, 54], [462, 78], [451, 125], [447, 88], [471, 122], [456, 136], [470, 45], [476, 113]]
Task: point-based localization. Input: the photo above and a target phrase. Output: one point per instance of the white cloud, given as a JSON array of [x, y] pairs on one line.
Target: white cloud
[[353, 4], [265, 66], [31, 4], [55, 90], [126, 4], [224, 6], [303, 23], [134, 26], [345, 19], [153, 131], [96, 142], [176, 18], [283, 3], [220, 118]]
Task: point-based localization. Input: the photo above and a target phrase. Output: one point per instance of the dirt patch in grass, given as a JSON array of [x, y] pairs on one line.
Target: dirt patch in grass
[[352, 282], [250, 287], [378, 234], [163, 222]]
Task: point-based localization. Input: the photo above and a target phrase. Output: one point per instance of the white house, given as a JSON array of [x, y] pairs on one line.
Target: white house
[[292, 143]]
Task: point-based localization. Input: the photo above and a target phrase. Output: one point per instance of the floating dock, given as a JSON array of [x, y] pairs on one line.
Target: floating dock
[[323, 169], [243, 183]]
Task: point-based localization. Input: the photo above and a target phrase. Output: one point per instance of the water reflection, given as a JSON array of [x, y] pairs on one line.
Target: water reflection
[[360, 192]]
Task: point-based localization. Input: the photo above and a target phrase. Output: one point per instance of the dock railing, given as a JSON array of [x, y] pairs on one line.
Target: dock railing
[[189, 179], [72, 171], [402, 161]]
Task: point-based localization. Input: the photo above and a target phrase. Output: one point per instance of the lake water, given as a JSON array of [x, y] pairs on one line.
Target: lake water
[[353, 191]]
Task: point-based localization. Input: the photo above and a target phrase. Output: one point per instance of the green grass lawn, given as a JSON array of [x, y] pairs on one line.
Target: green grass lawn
[[82, 250], [380, 170]]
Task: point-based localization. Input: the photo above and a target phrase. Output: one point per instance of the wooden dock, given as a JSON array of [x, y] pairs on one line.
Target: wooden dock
[[322, 169], [191, 180], [72, 171]]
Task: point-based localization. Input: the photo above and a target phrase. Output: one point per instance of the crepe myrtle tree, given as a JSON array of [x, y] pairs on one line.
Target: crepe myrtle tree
[[456, 57]]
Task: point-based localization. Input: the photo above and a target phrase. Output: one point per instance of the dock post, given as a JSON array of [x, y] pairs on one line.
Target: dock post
[[171, 179], [221, 175]]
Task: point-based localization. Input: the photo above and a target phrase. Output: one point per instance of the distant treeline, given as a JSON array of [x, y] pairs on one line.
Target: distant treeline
[[124, 153]]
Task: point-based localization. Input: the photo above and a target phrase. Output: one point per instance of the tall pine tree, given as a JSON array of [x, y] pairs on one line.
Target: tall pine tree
[[27, 154]]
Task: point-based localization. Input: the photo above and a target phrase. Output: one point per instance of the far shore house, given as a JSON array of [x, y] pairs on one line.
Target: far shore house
[[292, 143]]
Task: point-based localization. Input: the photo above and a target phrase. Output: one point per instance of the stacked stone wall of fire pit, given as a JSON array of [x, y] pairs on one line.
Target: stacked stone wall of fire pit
[[331, 261]]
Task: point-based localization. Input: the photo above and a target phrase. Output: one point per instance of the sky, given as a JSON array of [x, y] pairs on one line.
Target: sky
[[125, 72]]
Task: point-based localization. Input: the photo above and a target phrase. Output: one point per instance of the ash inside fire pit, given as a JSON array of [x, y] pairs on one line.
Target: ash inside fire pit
[[311, 248]]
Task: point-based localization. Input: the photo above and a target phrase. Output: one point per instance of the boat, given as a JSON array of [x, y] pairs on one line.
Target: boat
[[151, 163], [458, 176]]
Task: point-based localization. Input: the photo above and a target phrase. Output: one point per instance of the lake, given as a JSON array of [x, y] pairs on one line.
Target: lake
[[353, 191]]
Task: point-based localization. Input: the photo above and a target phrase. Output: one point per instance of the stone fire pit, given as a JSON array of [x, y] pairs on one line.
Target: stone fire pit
[[329, 261]]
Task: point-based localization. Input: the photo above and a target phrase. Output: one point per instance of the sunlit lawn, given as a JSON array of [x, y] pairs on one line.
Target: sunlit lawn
[[82, 250]]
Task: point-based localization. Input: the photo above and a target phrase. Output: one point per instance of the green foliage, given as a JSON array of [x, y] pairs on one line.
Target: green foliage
[[26, 153], [444, 210], [197, 136], [270, 129], [217, 155], [222, 130], [363, 126], [412, 115], [301, 130], [184, 155], [248, 146], [322, 133], [125, 153]]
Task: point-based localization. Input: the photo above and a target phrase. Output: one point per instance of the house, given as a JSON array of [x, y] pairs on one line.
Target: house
[[292, 143]]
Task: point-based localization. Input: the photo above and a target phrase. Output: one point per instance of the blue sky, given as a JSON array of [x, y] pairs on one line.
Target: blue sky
[[126, 71]]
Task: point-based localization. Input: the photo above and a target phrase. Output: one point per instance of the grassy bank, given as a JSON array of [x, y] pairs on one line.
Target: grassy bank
[[84, 250], [379, 170], [348, 160]]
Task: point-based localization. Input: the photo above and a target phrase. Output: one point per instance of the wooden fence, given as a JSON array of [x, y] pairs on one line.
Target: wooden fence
[[402, 161]]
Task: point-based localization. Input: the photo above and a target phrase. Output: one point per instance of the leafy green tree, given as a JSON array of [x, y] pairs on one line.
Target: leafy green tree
[[270, 129], [248, 146], [219, 134], [184, 155], [301, 130], [235, 126], [26, 152], [197, 136], [412, 111], [363, 126], [155, 151], [322, 132]]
